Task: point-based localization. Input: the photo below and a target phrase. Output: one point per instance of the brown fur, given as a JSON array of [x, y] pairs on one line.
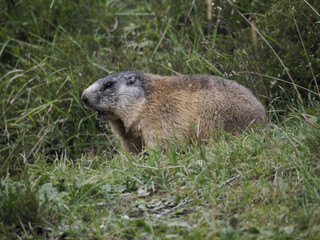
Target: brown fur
[[175, 106]]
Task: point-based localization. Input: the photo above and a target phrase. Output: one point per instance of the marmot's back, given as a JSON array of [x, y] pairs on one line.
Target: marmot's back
[[147, 109]]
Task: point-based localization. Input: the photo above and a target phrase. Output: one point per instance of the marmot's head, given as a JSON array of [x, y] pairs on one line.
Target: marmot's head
[[116, 94]]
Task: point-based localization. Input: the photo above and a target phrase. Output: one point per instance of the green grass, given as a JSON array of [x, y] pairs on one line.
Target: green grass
[[61, 173], [276, 196]]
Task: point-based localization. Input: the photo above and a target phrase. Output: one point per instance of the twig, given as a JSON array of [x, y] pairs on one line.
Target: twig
[[227, 182], [167, 211], [188, 15], [189, 12], [115, 26], [309, 123], [312, 7]]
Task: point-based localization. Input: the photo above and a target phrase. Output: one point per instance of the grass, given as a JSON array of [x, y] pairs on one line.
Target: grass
[[62, 176], [276, 196]]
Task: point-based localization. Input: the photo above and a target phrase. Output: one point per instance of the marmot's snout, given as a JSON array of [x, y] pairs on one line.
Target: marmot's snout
[[85, 100]]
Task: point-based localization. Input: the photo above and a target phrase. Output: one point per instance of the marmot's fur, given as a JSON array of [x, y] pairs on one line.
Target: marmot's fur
[[149, 110]]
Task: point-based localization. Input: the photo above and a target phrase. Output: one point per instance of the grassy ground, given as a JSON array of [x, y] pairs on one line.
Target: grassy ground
[[62, 176], [276, 195]]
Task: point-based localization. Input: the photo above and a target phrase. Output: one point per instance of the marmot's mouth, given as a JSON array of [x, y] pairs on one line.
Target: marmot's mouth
[[105, 116], [100, 116]]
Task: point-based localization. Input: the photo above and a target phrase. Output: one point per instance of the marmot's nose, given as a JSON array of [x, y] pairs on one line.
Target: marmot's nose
[[84, 99]]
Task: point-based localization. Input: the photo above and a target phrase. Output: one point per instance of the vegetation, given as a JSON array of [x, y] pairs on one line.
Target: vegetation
[[61, 175]]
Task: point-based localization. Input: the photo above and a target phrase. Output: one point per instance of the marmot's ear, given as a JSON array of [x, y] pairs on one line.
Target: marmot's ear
[[131, 78]]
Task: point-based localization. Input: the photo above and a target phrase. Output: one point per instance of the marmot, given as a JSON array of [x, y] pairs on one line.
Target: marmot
[[149, 110]]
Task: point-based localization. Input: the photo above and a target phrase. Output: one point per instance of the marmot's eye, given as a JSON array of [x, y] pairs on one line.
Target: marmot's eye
[[107, 85]]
